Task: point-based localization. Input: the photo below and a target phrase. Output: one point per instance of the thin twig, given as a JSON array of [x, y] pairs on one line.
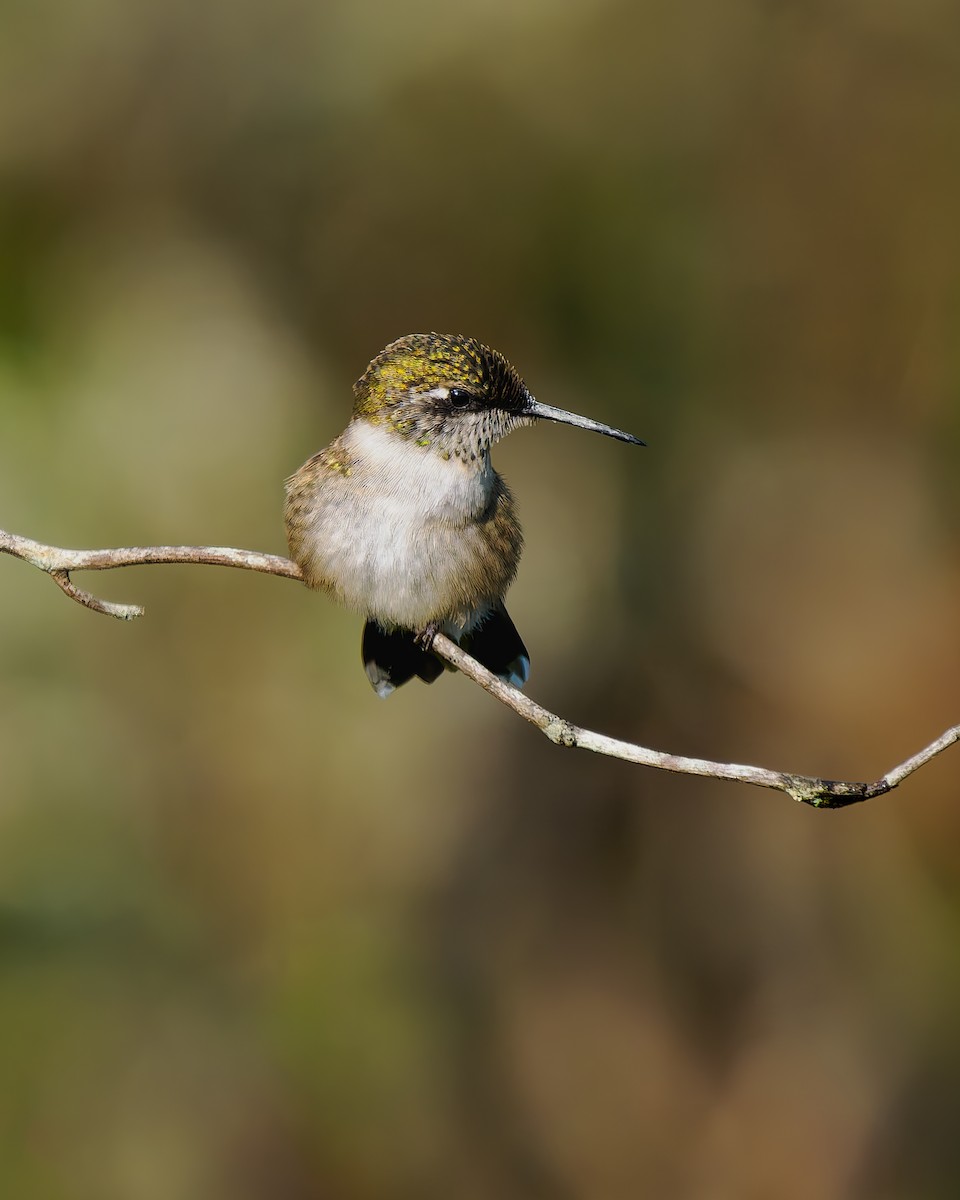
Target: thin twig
[[819, 793]]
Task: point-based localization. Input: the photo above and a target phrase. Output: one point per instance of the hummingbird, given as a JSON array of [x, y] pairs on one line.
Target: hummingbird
[[403, 519]]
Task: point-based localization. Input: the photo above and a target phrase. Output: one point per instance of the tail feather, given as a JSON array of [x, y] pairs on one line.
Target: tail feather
[[392, 657]]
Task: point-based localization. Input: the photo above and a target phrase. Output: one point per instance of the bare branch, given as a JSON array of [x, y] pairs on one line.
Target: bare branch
[[58, 563], [819, 793]]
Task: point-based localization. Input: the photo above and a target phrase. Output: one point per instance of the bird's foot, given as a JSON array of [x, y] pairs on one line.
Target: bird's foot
[[425, 636]]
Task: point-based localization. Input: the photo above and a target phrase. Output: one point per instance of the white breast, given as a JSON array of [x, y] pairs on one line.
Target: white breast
[[394, 538]]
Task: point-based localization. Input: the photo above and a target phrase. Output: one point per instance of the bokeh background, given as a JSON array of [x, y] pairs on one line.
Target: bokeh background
[[262, 935]]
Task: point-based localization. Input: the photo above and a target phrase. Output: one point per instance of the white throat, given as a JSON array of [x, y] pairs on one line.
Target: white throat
[[417, 478]]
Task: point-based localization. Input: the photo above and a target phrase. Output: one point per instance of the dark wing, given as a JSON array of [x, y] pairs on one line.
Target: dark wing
[[496, 643]]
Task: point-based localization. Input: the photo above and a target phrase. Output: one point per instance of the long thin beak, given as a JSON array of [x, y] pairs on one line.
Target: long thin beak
[[547, 412]]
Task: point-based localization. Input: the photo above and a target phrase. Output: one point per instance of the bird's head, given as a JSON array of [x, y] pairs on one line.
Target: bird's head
[[453, 395]]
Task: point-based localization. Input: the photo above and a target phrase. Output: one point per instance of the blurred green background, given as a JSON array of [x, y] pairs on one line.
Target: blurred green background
[[262, 935]]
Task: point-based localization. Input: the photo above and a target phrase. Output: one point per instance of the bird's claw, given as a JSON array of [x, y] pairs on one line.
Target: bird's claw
[[425, 636]]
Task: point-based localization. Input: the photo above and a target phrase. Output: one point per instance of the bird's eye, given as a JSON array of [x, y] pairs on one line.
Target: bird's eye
[[459, 397]]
